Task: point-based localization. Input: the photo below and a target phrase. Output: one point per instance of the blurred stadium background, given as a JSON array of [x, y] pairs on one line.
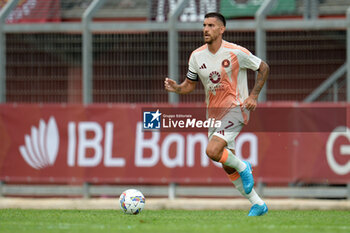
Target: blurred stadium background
[[45, 65], [119, 51]]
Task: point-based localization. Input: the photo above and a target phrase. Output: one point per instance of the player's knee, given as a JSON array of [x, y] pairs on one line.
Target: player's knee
[[213, 153]]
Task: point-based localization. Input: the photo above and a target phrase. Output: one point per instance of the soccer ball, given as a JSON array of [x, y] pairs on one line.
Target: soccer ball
[[132, 201]]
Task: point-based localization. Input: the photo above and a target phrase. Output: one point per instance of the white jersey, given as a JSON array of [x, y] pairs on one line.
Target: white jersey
[[223, 74]]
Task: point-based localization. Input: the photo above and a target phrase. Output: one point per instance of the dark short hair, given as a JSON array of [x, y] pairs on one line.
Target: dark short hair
[[216, 15]]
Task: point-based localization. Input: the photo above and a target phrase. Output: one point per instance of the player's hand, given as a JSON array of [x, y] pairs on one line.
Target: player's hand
[[250, 103], [170, 85]]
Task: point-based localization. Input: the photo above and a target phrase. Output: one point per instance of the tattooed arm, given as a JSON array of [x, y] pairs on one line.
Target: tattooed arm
[[185, 87], [263, 72]]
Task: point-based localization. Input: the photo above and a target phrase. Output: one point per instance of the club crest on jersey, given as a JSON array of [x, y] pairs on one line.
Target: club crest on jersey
[[214, 77], [225, 63]]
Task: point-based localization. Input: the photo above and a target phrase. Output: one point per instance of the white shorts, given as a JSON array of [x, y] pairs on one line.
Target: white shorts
[[231, 125]]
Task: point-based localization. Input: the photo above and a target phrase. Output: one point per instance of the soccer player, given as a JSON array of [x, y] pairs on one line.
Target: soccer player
[[222, 68]]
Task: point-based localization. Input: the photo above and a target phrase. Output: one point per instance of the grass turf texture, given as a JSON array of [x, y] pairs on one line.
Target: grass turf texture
[[17, 220]]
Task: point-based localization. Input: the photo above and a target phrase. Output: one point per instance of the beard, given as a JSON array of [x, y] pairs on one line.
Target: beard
[[210, 39]]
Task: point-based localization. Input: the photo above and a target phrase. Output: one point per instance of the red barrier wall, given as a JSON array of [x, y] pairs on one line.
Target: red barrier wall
[[106, 144]]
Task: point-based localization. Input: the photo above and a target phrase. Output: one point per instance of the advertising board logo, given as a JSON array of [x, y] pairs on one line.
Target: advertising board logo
[[151, 120], [23, 9], [41, 145], [344, 150]]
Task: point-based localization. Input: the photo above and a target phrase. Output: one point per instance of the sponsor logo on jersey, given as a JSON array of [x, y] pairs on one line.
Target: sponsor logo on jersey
[[214, 77]]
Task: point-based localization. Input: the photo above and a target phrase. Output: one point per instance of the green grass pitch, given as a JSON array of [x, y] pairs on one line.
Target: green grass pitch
[[201, 221]]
